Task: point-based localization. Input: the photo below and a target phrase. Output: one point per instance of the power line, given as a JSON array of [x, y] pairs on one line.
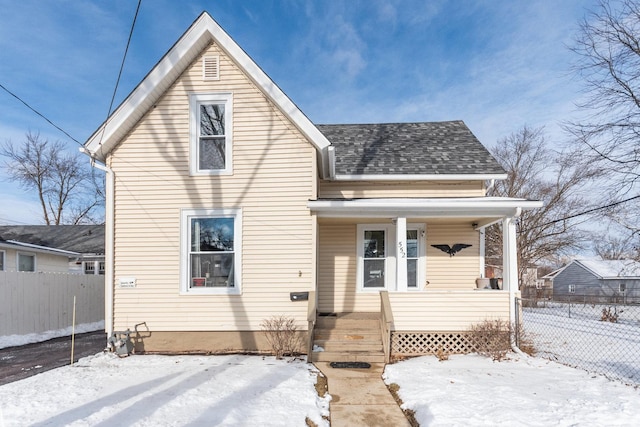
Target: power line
[[39, 113], [588, 211], [124, 57]]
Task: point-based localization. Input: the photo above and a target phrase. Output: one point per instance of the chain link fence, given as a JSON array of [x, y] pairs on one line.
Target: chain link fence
[[597, 337]]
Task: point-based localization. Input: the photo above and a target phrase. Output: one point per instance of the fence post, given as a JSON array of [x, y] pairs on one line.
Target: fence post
[[516, 332]]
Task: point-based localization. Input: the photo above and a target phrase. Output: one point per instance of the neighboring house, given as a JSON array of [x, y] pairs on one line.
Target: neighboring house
[[226, 205], [596, 280], [52, 248], [28, 258]]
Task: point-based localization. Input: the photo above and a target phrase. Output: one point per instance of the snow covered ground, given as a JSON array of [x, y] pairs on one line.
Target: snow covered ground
[[574, 334], [154, 391], [471, 390], [237, 390]]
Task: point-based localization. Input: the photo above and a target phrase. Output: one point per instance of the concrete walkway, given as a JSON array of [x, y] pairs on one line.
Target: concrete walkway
[[361, 398]]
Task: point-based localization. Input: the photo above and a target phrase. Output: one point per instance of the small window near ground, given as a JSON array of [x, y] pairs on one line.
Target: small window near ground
[[212, 240], [26, 262], [622, 287], [572, 289]]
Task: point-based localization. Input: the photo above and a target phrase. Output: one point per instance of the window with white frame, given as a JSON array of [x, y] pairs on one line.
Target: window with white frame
[[89, 267], [211, 123], [377, 257], [572, 289], [2, 260], [622, 288], [26, 262], [101, 267], [211, 250]]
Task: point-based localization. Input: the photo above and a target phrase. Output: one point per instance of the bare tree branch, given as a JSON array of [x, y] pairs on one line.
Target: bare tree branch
[[67, 190]]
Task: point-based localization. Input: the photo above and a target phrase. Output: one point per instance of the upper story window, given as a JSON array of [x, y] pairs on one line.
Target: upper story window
[[622, 287], [210, 133], [26, 262], [572, 289]]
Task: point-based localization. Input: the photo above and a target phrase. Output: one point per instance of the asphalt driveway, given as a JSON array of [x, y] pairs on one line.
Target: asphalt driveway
[[17, 363]]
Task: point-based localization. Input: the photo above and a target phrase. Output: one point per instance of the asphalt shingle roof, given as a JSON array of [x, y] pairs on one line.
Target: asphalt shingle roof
[[433, 148], [87, 239]]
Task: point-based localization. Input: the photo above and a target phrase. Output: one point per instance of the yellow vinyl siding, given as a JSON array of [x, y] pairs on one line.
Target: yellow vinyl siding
[[337, 262], [459, 271], [385, 189], [337, 288], [444, 311], [274, 175]]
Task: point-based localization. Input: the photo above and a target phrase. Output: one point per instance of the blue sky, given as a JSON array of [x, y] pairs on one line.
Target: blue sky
[[496, 64]]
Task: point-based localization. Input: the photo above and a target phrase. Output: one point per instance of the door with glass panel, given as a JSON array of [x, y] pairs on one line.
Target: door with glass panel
[[374, 259]]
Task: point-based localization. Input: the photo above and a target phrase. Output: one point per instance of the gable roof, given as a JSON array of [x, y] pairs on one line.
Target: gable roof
[[88, 239], [611, 269], [198, 36], [435, 150]]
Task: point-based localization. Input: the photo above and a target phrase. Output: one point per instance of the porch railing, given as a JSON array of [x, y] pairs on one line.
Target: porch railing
[[311, 323], [386, 317]]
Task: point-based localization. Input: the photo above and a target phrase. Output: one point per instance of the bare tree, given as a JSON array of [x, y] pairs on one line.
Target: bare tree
[[539, 173], [608, 60], [67, 190]]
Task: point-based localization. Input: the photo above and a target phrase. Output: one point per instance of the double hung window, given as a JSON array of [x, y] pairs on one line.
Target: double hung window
[[210, 133], [211, 251]]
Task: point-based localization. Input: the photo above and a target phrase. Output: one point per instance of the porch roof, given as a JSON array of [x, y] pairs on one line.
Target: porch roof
[[488, 208]]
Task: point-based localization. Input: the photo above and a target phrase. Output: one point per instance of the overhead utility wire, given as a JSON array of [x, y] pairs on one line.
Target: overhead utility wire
[[38, 113], [583, 213], [124, 57]]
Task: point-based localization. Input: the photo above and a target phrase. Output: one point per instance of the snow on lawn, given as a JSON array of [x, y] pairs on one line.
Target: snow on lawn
[[470, 390], [152, 390], [16, 340], [579, 338]]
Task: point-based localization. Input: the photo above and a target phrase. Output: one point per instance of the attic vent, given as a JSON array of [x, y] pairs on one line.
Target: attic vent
[[211, 68]]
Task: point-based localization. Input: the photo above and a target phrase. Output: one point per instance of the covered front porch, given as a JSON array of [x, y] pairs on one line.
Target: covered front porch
[[390, 256]]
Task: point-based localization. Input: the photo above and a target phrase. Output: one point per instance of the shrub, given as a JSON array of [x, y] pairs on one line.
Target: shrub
[[492, 338], [609, 316], [282, 335]]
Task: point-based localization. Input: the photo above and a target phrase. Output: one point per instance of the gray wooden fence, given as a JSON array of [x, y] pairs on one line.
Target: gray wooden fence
[[39, 302]]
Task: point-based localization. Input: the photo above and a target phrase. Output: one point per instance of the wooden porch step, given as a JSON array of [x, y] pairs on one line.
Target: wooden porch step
[[340, 356], [334, 345], [348, 337]]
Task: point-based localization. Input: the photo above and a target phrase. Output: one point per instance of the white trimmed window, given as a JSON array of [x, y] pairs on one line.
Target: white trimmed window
[[622, 288], [377, 257], [2, 260], [26, 262], [572, 289], [210, 128], [211, 251]]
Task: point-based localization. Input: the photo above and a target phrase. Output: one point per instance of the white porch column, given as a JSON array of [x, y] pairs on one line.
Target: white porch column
[[483, 251], [401, 254], [509, 255]]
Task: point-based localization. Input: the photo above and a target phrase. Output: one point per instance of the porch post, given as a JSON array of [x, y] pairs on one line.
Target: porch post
[[509, 255], [401, 254]]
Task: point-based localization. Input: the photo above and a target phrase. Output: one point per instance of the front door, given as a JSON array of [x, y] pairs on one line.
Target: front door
[[375, 259]]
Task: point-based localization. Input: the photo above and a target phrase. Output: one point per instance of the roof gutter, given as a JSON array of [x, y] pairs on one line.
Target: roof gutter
[[108, 240], [420, 177]]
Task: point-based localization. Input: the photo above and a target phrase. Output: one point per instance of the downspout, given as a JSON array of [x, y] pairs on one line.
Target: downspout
[[331, 154], [109, 281]]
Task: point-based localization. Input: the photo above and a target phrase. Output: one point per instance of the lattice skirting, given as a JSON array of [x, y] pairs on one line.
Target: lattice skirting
[[419, 343]]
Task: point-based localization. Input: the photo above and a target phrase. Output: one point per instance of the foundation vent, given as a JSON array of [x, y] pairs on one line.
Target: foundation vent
[[211, 68]]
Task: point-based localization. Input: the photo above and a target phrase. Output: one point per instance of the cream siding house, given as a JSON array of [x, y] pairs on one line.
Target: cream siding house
[[227, 205]]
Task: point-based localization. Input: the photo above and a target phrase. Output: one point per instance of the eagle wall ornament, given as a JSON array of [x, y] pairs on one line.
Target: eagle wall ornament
[[452, 250]]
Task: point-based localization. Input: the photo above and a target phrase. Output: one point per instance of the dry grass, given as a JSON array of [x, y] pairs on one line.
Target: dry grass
[[411, 415]]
